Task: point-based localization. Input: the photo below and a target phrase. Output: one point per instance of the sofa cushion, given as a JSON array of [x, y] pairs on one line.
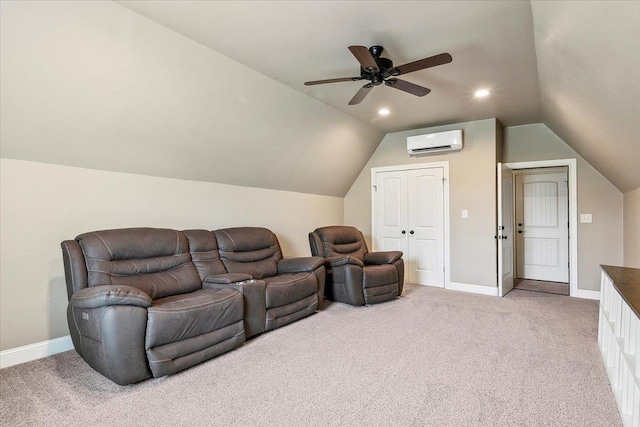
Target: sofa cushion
[[280, 316], [156, 261], [379, 275], [381, 293], [204, 252], [179, 317], [251, 250], [184, 330], [288, 288]]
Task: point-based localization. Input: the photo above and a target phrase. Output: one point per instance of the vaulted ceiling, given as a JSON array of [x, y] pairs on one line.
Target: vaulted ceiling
[[214, 90], [574, 65]]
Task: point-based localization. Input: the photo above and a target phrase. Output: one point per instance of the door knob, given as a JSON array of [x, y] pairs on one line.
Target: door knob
[[504, 237], [519, 224], [411, 232], [520, 231], [404, 232]]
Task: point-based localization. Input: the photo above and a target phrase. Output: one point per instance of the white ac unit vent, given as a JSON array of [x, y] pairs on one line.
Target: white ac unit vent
[[435, 142]]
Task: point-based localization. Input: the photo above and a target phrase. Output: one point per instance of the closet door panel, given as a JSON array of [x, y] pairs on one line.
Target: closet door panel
[[390, 211], [425, 220]]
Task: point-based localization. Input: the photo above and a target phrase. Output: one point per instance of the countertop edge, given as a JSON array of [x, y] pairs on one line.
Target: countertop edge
[[626, 281]]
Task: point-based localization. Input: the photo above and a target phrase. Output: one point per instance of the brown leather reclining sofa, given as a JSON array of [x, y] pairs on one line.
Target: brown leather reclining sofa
[[149, 302]]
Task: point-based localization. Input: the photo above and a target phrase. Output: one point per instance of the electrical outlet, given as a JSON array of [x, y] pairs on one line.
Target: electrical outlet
[[465, 214], [586, 218]]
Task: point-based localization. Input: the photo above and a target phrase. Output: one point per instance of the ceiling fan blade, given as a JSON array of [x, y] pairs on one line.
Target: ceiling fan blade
[[365, 58], [405, 86], [341, 79], [421, 64], [359, 96]]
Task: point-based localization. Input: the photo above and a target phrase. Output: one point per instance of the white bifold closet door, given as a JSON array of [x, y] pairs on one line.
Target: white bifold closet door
[[409, 217]]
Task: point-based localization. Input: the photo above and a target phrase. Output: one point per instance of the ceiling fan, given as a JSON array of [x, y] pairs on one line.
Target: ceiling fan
[[380, 70]]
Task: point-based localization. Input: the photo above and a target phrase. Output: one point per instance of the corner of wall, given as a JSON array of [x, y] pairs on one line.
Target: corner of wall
[[631, 228]]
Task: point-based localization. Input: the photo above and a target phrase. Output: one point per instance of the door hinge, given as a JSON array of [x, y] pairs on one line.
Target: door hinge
[[375, 188]]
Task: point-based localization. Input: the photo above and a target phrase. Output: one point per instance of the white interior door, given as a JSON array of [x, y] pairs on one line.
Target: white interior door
[[425, 211], [390, 204], [409, 217], [505, 230], [542, 219]]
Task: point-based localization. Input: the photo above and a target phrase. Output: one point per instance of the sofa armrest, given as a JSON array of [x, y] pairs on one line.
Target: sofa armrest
[[299, 264], [106, 295], [337, 261], [107, 324], [227, 278], [379, 258]]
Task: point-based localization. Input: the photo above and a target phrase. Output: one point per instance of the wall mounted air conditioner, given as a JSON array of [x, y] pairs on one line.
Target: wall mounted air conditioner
[[435, 142]]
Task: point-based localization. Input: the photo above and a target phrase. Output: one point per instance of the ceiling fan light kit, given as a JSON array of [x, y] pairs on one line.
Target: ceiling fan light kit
[[379, 70]]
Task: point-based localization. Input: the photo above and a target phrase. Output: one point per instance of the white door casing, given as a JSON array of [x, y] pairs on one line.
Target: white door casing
[[505, 230], [571, 165], [408, 215], [542, 224]]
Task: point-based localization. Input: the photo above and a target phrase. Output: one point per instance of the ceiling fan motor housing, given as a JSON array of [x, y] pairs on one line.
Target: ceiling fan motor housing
[[384, 64]]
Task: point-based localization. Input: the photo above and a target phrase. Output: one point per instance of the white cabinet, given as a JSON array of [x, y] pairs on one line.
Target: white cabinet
[[619, 338], [408, 215]]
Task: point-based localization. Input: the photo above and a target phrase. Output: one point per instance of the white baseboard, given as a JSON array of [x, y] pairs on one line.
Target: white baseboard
[[582, 293], [474, 289], [27, 353]]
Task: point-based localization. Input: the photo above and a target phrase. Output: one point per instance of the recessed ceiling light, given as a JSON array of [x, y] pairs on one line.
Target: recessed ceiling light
[[482, 93], [384, 111]]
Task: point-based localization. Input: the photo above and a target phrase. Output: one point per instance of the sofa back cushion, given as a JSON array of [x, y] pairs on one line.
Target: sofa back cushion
[[342, 240], [156, 261], [250, 250], [204, 252]]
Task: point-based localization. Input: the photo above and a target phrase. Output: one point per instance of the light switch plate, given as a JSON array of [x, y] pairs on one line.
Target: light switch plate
[[586, 218], [465, 213]]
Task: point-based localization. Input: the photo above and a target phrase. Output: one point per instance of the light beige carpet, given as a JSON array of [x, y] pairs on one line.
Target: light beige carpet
[[432, 357], [541, 286]]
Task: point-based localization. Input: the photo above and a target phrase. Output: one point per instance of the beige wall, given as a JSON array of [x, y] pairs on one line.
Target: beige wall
[[632, 228], [43, 204], [472, 186], [599, 242], [92, 84]]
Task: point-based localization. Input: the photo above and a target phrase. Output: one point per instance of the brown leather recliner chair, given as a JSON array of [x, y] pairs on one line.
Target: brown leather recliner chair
[[354, 275]]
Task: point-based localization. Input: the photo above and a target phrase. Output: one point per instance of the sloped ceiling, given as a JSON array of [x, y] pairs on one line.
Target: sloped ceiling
[[102, 85], [94, 85], [589, 74], [574, 65], [296, 41]]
